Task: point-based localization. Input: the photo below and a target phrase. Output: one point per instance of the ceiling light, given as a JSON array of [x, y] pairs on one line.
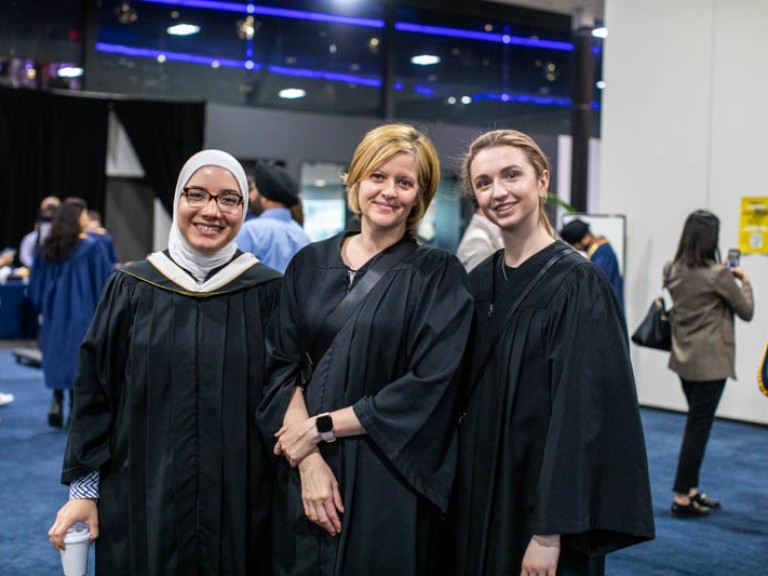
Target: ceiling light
[[600, 85], [292, 93], [601, 32], [425, 60], [247, 28], [125, 13], [69, 72], [183, 29], [466, 99]]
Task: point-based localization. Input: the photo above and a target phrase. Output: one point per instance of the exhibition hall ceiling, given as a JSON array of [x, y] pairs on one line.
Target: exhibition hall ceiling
[[595, 7], [464, 61]]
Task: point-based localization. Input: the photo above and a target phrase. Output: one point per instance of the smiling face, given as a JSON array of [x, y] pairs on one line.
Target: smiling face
[[387, 195], [507, 188], [207, 229]]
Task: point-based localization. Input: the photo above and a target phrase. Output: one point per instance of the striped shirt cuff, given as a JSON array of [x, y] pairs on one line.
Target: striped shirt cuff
[[85, 487]]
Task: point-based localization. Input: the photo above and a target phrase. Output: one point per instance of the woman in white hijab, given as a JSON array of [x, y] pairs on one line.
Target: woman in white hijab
[[164, 462]]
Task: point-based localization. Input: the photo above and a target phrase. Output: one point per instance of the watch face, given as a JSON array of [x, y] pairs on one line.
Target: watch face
[[324, 424]]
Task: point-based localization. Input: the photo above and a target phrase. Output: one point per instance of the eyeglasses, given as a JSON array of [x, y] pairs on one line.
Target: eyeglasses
[[227, 202]]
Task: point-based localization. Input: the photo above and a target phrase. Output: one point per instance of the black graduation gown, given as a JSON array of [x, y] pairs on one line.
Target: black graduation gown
[[395, 361], [164, 409], [552, 442]]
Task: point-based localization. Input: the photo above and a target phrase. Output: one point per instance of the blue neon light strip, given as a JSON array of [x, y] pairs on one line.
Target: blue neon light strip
[[229, 63], [483, 36], [331, 76], [174, 56], [370, 23], [529, 99], [524, 99], [277, 12], [319, 74]]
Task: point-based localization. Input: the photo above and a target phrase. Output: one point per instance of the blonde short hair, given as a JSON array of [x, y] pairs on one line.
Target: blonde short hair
[[381, 144]]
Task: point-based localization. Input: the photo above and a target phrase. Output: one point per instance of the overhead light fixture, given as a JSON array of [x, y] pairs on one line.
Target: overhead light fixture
[[601, 32], [125, 13], [600, 84], [425, 60], [247, 28], [183, 29], [292, 93], [69, 72]]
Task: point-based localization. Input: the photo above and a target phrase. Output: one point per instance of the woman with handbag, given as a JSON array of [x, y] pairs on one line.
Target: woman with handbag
[[367, 442], [706, 296], [552, 466]]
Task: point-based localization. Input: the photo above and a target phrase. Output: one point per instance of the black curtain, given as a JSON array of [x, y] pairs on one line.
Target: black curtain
[[49, 145], [164, 135]]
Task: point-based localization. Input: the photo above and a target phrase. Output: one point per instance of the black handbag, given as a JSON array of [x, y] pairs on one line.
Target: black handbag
[[654, 331]]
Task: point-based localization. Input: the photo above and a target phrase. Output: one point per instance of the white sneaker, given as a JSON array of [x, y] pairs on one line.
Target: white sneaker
[[5, 399]]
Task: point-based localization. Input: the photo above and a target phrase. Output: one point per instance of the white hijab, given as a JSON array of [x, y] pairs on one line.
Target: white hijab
[[197, 263]]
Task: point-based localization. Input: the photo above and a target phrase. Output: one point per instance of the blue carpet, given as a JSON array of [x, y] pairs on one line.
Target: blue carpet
[[732, 541], [30, 464]]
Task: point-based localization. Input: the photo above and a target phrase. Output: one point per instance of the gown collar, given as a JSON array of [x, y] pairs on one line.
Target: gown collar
[[166, 274]]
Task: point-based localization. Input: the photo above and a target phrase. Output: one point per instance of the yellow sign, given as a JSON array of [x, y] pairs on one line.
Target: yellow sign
[[753, 228]]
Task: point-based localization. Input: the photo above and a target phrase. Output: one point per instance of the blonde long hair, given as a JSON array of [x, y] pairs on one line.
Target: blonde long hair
[[516, 139]]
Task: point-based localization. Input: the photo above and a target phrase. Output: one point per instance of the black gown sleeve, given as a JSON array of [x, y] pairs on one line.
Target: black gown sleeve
[[593, 487], [99, 380], [284, 359]]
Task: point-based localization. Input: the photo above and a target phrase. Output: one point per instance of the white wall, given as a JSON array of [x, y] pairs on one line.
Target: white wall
[[684, 127]]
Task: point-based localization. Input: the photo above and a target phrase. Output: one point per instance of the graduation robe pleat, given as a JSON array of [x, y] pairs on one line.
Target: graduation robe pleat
[[552, 442], [164, 409], [395, 361], [66, 294]]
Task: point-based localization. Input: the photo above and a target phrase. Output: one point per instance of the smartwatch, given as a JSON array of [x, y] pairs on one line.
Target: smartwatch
[[324, 424]]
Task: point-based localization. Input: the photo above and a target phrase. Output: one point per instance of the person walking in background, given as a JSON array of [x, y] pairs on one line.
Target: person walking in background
[[164, 461], [274, 237], [706, 295], [598, 250], [481, 239], [552, 470], [367, 443], [68, 275]]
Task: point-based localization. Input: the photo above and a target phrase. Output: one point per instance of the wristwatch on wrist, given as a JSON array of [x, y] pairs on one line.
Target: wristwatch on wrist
[[324, 424]]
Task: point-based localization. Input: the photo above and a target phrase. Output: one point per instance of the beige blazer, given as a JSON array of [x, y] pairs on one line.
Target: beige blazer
[[705, 300]]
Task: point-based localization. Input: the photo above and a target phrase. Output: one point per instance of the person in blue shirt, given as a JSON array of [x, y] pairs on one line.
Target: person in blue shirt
[[598, 250], [274, 237]]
